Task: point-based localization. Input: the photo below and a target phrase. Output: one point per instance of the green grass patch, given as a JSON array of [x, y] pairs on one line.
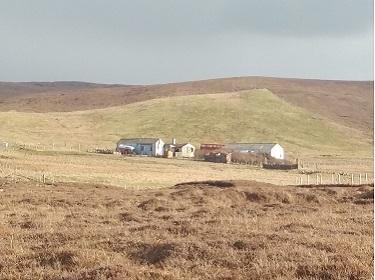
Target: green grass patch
[[250, 116]]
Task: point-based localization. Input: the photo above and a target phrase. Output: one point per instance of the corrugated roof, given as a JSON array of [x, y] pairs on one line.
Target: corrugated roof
[[138, 140], [256, 147]]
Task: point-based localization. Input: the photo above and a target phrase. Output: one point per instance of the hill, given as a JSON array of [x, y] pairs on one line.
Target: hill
[[348, 103], [11, 89], [255, 115]]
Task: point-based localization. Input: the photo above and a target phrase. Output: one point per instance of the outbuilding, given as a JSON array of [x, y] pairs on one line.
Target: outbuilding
[[273, 149], [185, 150]]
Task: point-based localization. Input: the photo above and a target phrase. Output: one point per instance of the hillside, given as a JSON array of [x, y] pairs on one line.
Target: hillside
[[11, 90], [347, 103], [256, 115]]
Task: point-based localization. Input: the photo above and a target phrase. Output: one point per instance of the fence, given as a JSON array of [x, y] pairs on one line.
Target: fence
[[335, 178], [317, 164], [12, 172], [55, 146], [280, 166], [318, 175]]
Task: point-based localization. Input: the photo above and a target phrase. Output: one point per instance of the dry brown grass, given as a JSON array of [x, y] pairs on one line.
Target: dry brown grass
[[147, 172], [129, 172], [201, 230]]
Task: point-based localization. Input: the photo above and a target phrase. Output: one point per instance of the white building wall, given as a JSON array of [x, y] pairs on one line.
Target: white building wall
[[188, 150], [158, 148], [277, 152]]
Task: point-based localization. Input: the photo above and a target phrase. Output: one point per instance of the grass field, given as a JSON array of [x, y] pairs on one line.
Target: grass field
[[148, 172], [251, 116], [128, 172]]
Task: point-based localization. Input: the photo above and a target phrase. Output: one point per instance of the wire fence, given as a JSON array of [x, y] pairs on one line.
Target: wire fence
[[310, 172], [55, 146], [319, 164], [13, 172], [335, 179]]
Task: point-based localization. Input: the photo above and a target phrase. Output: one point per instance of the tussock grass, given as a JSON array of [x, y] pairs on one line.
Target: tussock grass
[[246, 230]]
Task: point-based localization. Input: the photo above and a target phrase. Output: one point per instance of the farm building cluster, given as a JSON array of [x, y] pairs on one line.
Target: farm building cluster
[[155, 147], [213, 152]]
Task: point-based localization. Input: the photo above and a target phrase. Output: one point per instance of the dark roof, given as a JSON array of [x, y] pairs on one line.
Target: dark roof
[[138, 140], [180, 145], [177, 145]]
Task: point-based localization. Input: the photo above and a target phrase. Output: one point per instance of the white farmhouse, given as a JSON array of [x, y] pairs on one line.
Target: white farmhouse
[[273, 149]]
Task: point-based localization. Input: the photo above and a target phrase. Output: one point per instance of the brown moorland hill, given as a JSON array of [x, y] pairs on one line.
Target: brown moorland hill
[[11, 89], [201, 230], [350, 103]]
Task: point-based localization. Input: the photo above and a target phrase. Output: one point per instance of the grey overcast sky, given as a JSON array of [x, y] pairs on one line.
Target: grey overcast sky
[[162, 41]]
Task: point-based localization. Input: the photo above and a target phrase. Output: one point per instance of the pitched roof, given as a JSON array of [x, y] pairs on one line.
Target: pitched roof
[[250, 146], [178, 145], [138, 140]]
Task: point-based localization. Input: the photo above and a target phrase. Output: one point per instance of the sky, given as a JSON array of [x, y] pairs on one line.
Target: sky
[[164, 41]]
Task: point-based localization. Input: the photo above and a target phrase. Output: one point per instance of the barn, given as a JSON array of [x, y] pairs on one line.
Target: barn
[[211, 147], [273, 149], [142, 146]]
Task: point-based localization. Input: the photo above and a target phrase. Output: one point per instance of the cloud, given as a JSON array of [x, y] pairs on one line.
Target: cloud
[[148, 41], [304, 18]]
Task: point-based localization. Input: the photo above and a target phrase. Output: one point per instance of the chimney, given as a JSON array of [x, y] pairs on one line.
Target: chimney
[[173, 141]]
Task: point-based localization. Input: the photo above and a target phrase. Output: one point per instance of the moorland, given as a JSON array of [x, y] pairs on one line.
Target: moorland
[[68, 213]]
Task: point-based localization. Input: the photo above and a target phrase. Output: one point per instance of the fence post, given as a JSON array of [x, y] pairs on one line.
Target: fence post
[[366, 178], [352, 179], [308, 179], [360, 178], [339, 178], [321, 179], [332, 179], [300, 180]]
